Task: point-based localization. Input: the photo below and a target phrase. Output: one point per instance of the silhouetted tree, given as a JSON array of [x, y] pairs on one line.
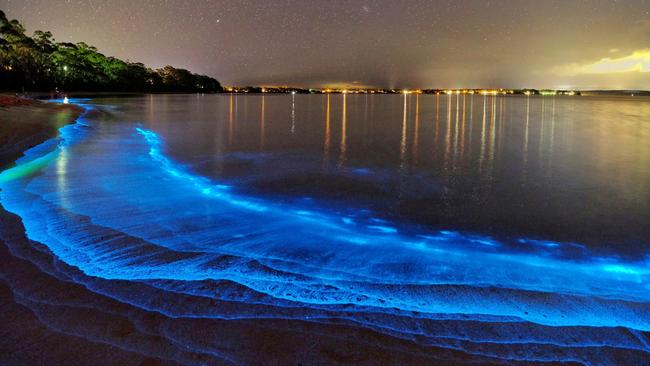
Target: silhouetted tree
[[40, 63]]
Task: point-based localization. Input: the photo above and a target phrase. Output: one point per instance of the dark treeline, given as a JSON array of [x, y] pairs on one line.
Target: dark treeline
[[38, 63]]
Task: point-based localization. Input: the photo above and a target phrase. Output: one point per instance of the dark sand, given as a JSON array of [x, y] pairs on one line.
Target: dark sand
[[25, 123], [52, 314], [24, 338]]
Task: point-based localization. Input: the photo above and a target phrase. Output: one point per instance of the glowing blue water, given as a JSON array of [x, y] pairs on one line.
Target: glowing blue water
[[108, 200]]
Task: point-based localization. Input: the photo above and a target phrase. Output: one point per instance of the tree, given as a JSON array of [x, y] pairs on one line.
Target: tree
[[38, 62]]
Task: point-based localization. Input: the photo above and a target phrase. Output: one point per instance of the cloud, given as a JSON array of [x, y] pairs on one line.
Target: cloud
[[642, 24], [637, 61]]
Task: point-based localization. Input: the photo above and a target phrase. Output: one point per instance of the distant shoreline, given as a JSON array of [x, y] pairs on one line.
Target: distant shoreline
[[256, 90]]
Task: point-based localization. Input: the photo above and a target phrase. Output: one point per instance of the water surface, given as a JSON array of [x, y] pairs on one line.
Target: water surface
[[572, 169], [396, 213]]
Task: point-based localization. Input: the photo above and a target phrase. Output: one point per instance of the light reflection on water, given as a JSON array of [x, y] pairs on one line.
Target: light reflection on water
[[555, 168]]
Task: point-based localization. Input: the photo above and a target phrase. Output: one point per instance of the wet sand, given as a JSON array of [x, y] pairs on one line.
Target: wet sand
[[25, 123], [25, 339]]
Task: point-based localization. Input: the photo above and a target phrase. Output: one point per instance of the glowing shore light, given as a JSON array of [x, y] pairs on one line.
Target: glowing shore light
[[527, 93], [293, 92], [65, 100], [405, 91], [486, 92]]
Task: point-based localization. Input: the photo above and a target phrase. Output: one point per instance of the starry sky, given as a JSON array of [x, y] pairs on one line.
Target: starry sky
[[380, 43]]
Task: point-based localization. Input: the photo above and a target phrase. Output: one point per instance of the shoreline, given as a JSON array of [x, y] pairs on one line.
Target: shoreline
[[53, 313], [26, 339], [41, 95], [26, 123]]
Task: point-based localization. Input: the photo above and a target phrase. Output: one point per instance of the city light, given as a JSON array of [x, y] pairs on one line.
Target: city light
[[436, 91], [489, 92]]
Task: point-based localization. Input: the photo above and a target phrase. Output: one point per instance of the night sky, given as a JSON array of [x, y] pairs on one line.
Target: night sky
[[412, 44]]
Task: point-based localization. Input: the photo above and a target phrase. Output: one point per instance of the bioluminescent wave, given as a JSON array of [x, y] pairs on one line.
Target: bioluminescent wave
[[109, 201]]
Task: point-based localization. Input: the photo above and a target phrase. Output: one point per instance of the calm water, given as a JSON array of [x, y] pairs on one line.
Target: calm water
[[567, 169]]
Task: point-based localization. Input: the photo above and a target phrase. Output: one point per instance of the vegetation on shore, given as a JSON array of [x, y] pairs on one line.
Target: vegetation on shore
[[39, 63]]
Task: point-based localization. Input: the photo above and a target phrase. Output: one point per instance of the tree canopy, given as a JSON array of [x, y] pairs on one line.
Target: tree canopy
[[40, 63]]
